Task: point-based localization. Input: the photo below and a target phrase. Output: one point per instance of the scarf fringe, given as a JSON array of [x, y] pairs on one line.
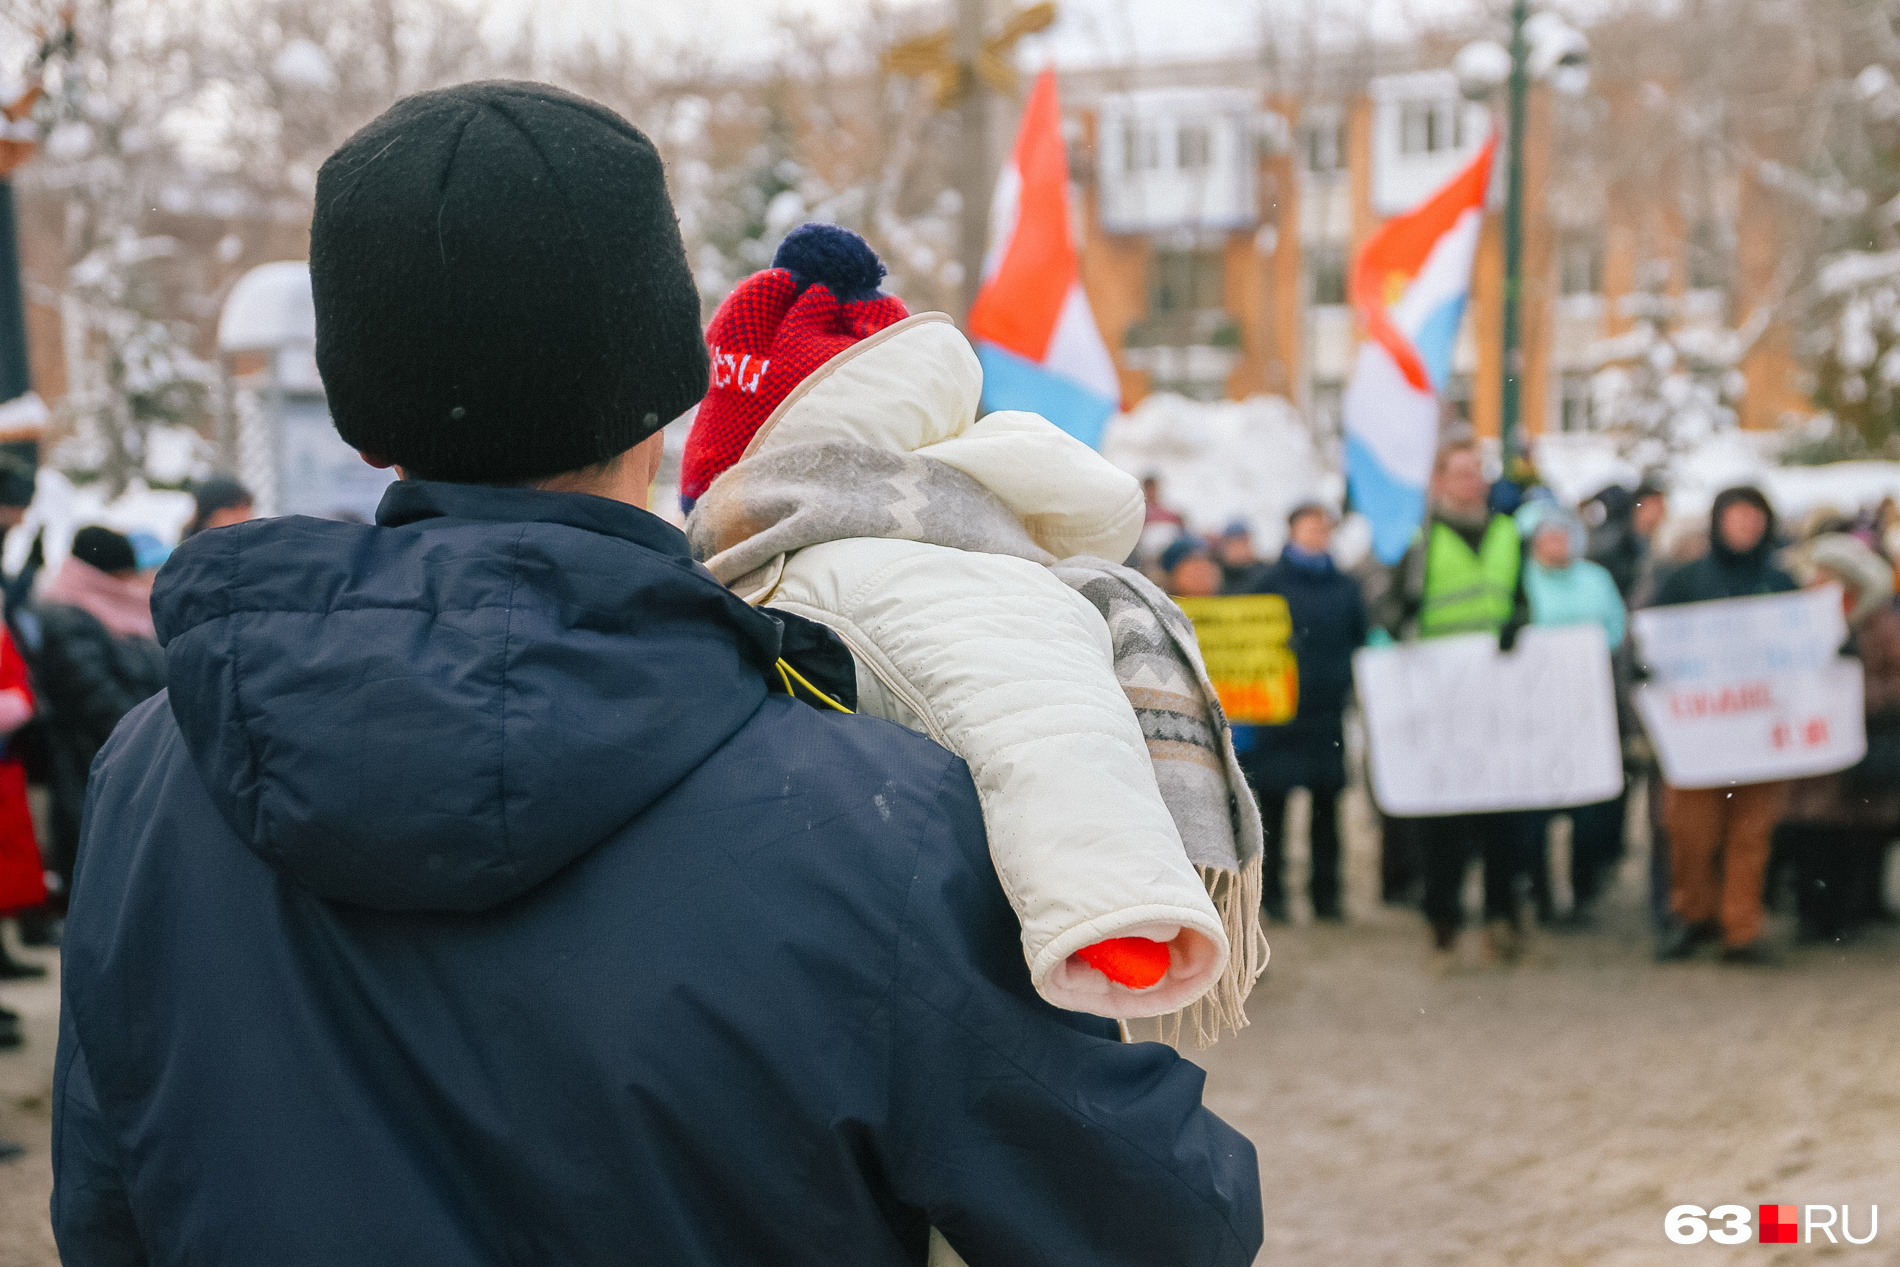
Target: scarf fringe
[[1236, 897]]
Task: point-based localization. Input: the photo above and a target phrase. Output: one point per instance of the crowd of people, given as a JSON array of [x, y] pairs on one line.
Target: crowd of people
[[520, 877], [78, 651], [1493, 558]]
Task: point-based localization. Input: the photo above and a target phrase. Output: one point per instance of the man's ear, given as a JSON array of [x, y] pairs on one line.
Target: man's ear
[[382, 464]]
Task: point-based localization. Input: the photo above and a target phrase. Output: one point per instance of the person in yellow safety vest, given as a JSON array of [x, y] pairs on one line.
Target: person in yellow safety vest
[[1464, 573]]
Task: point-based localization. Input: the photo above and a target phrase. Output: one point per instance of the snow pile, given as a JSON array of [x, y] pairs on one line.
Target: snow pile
[[61, 508], [1839, 486], [1225, 460], [1578, 465]]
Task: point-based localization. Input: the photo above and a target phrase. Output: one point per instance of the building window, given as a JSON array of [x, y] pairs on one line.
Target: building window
[[1185, 281], [1430, 127], [1179, 159], [1326, 272], [1574, 410], [1141, 146], [1580, 266], [1194, 147], [1326, 409], [1323, 143]]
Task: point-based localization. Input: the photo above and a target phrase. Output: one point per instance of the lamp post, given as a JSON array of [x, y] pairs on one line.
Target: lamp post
[[1514, 241], [1544, 47]]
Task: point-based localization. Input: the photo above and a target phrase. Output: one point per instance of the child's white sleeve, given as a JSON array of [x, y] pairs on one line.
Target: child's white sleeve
[[1012, 670]]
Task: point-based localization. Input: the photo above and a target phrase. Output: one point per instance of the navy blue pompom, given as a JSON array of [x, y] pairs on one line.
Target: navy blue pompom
[[835, 258]]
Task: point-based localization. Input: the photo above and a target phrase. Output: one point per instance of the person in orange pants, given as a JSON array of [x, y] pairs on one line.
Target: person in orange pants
[[1718, 855], [1729, 827]]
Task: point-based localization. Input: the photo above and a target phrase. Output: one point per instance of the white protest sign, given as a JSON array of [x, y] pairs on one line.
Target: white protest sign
[[1455, 727], [1748, 690]]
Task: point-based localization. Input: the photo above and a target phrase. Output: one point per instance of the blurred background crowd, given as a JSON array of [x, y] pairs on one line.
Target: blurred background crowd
[[1823, 843]]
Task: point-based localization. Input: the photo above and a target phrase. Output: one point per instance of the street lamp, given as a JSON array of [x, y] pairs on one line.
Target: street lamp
[[1545, 47]]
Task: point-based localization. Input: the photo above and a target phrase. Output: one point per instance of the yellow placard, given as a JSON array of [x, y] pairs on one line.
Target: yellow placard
[[1246, 642]]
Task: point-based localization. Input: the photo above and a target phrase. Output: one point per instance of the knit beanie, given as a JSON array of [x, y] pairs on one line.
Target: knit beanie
[[104, 549], [819, 297], [500, 287]]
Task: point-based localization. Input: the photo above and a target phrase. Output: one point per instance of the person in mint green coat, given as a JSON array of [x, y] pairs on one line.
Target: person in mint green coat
[[1565, 588]]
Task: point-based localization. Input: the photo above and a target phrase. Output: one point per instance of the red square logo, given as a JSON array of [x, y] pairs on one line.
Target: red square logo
[[1776, 1225]]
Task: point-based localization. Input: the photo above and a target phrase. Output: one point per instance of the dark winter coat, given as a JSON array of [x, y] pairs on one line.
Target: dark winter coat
[[468, 900], [89, 678], [1868, 794], [1722, 572], [1615, 545], [1329, 624]]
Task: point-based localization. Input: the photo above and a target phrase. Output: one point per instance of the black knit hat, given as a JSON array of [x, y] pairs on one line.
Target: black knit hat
[[500, 286], [105, 549]]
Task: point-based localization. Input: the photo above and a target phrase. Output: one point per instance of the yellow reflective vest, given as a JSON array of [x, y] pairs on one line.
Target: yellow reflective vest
[[1467, 591]]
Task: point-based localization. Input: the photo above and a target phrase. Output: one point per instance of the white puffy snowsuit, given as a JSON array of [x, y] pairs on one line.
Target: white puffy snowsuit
[[991, 655]]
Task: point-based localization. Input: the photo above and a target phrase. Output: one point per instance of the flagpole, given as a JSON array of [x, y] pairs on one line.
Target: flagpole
[[973, 176], [1508, 426]]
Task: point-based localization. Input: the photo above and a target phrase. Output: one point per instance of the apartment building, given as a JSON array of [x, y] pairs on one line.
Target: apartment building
[[1219, 217]]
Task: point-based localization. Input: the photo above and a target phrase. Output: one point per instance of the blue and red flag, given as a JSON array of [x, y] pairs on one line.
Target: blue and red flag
[[1034, 333], [1409, 285]]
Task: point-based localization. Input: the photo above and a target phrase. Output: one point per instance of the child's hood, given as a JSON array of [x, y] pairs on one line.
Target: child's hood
[[914, 388]]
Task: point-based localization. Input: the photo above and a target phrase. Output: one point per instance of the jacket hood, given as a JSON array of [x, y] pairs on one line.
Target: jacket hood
[[916, 387], [1755, 558], [440, 710]]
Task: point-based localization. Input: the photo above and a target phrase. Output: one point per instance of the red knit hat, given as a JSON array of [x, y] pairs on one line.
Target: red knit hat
[[819, 297]]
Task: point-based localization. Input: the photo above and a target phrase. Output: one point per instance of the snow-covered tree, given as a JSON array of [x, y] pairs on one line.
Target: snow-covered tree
[[818, 133], [1855, 345], [141, 371], [1707, 107], [1665, 385], [1851, 311], [225, 109], [110, 147]]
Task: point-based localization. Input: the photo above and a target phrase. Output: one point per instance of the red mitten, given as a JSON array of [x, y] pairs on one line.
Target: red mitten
[[1135, 962]]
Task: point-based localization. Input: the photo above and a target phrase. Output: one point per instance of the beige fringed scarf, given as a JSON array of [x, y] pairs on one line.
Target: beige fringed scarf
[[783, 500], [1158, 663]]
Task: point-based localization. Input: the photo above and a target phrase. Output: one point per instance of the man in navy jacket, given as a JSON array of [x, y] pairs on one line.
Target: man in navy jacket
[[468, 899], [1329, 624]]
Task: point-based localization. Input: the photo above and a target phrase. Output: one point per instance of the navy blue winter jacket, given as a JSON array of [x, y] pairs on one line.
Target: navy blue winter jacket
[[469, 901], [1329, 624]]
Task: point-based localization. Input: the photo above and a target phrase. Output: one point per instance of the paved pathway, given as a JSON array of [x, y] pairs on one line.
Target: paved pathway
[[1549, 1114]]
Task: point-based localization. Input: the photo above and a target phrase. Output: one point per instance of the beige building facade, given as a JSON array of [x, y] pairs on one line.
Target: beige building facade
[[1219, 220]]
